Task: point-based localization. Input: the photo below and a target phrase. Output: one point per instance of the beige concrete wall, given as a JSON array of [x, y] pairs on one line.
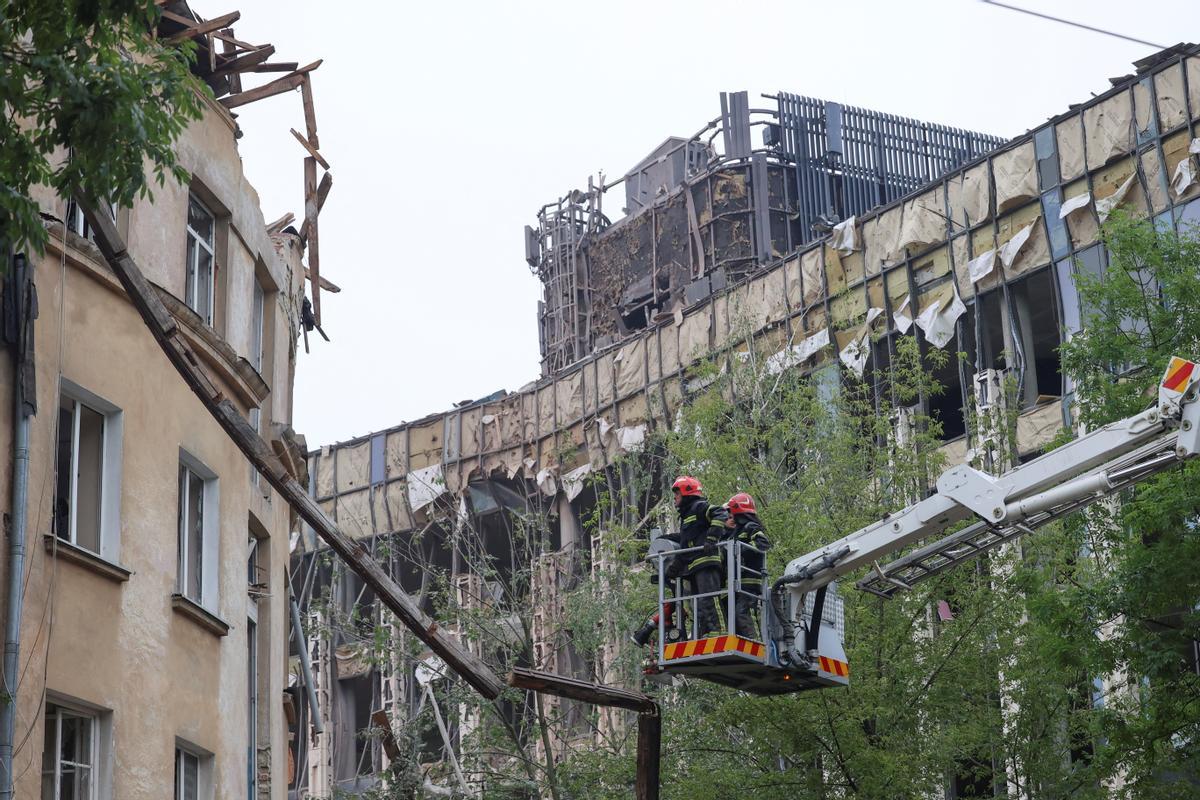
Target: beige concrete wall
[[121, 646]]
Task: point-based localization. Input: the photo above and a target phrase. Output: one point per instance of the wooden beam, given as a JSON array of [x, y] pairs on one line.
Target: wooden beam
[[243, 62], [281, 223], [595, 693], [310, 221], [229, 49], [310, 114], [162, 327], [322, 192], [281, 66], [277, 86], [649, 752], [310, 147], [326, 285], [204, 28]]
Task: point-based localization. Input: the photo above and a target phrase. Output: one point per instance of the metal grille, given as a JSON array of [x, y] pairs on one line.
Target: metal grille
[[850, 160]]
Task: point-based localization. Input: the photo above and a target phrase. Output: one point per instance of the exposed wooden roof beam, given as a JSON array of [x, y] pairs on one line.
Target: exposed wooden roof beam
[[322, 192], [279, 66], [245, 61], [204, 28], [277, 86], [312, 151]]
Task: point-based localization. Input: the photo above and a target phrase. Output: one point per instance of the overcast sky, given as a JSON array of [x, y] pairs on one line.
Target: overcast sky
[[447, 125]]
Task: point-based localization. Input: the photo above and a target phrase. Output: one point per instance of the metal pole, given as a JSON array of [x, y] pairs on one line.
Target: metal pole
[[16, 543], [306, 666]]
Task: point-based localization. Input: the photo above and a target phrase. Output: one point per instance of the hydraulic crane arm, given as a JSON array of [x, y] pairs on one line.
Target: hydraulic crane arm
[[1093, 466]]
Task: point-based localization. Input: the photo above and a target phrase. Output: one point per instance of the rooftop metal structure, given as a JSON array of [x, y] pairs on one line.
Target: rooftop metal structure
[[706, 210]]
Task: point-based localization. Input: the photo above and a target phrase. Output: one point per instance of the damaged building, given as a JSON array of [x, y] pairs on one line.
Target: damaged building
[[703, 213], [154, 627], [844, 231]]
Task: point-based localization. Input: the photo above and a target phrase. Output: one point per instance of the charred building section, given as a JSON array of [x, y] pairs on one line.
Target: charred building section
[[707, 211]]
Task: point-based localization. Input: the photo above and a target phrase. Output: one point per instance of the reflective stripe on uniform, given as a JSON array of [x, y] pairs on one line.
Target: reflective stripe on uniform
[[703, 560]]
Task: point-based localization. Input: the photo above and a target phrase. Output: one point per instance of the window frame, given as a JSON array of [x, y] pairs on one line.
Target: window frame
[[111, 457], [192, 262], [183, 751], [258, 325], [209, 532], [94, 745]]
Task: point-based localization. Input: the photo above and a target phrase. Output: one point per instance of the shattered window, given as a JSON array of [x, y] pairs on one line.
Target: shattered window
[[1047, 158], [1060, 243]]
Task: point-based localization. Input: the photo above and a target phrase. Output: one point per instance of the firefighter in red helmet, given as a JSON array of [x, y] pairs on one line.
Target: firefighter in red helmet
[[744, 525], [701, 525]]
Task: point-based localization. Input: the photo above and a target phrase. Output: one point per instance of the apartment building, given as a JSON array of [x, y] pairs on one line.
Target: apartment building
[[154, 628]]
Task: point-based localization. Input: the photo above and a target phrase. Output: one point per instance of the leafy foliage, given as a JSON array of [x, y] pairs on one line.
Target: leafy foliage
[[92, 103]]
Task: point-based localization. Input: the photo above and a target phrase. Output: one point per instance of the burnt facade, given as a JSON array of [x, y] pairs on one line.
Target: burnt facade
[[707, 211]]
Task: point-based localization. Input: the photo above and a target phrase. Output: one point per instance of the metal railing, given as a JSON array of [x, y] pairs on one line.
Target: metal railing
[[680, 600]]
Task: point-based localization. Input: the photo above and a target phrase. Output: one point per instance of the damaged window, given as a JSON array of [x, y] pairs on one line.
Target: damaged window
[[947, 406], [1047, 157], [69, 754], [1037, 338], [200, 286], [1060, 242]]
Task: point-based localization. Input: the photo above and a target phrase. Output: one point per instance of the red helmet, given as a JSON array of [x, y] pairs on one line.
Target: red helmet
[[687, 486], [741, 503]]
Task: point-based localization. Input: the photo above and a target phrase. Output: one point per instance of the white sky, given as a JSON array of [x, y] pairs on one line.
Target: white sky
[[448, 124]]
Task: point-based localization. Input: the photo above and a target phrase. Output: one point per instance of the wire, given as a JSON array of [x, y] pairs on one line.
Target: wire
[[1074, 24]]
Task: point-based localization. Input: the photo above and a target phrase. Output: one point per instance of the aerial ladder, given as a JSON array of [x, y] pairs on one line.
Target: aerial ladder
[[799, 641]]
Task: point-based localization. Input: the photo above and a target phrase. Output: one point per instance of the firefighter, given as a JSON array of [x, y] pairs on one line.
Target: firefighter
[[701, 525], [744, 525]]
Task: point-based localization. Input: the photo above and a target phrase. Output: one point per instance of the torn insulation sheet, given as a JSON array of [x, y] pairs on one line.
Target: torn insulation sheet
[[854, 355], [1104, 207], [902, 316], [845, 237], [798, 354], [425, 485], [1074, 204], [938, 326], [574, 481], [1184, 177], [1010, 249], [981, 266]]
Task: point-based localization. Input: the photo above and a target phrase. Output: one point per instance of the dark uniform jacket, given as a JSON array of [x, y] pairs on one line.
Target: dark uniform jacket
[[750, 531], [700, 524]]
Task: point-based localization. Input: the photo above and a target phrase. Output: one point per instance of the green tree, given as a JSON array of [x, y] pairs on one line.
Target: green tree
[[1068, 668], [93, 103]]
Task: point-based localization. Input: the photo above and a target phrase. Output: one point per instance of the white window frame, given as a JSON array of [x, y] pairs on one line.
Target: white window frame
[[209, 532], [100, 745], [192, 271], [112, 438], [77, 223], [204, 770], [258, 323]]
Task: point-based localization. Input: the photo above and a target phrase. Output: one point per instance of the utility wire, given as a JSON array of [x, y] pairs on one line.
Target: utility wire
[[1074, 24]]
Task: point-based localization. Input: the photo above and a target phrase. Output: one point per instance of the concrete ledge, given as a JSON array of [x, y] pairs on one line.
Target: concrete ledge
[[197, 614], [64, 550]]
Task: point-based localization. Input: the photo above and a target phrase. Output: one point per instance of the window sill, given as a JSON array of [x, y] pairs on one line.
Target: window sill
[[197, 614], [75, 554]]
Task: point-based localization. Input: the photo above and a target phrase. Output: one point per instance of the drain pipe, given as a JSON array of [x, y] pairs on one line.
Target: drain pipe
[[305, 666], [16, 535]]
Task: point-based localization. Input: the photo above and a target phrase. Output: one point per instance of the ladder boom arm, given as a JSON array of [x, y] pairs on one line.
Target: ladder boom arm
[[1095, 465]]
